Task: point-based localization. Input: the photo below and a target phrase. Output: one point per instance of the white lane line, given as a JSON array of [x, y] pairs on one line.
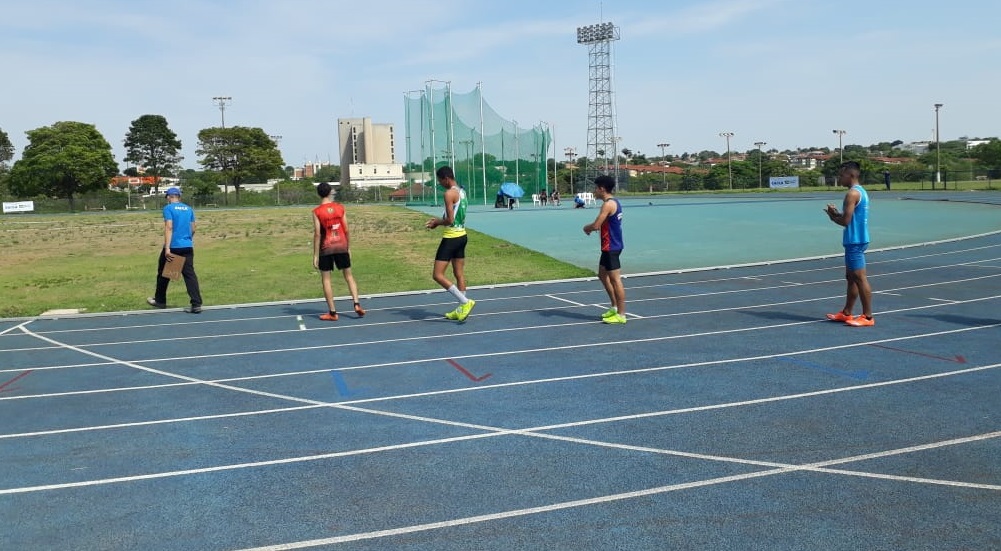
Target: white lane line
[[492, 431], [541, 327], [495, 431], [598, 500], [588, 291], [14, 328], [424, 320], [568, 301], [302, 324], [194, 381], [947, 301]]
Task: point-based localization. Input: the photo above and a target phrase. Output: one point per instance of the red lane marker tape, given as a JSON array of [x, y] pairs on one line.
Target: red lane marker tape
[[12, 381], [956, 359], [466, 372]]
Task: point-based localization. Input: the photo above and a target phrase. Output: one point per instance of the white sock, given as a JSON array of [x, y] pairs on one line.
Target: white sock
[[458, 294]]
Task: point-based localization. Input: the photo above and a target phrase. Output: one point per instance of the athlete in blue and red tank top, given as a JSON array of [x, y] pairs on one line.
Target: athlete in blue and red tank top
[[609, 224]]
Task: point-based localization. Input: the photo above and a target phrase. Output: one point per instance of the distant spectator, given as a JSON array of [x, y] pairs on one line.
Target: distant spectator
[[578, 202], [554, 197], [543, 197]]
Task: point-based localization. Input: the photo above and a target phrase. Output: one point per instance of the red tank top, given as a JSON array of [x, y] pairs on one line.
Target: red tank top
[[333, 229]]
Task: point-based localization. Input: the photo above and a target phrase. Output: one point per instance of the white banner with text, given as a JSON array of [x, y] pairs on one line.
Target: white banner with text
[[18, 206], [783, 181]]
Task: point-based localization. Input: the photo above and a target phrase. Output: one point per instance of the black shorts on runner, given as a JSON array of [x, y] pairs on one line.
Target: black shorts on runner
[[340, 260], [609, 260], [451, 248]]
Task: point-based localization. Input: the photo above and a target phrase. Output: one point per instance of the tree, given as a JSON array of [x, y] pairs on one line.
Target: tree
[[328, 173], [151, 144], [6, 154], [6, 150], [989, 153], [63, 160], [240, 153]]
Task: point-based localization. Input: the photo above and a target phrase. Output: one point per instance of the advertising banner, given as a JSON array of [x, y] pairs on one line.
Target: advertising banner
[[776, 182], [18, 206]]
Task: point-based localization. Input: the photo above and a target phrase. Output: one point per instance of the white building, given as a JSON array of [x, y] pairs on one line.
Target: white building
[[368, 154]]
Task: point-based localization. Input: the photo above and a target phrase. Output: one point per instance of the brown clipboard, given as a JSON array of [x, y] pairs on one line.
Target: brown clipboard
[[172, 268]]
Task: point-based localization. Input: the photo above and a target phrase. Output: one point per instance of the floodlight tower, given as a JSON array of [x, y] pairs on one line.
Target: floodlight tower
[[601, 114]]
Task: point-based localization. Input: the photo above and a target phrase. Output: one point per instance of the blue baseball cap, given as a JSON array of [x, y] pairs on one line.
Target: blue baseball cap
[[173, 191]]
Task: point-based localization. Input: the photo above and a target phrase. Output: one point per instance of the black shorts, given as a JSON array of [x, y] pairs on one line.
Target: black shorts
[[328, 261], [609, 260], [451, 248]]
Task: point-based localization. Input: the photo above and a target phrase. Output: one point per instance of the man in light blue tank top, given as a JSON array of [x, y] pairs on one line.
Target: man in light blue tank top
[[854, 217]]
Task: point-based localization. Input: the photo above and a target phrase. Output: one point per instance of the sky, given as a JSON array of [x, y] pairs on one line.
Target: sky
[[784, 72]]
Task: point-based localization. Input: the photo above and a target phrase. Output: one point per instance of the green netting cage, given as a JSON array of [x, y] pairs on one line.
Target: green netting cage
[[483, 148]]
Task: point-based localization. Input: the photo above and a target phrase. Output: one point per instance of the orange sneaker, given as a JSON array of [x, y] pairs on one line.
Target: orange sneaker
[[861, 321], [840, 316], [359, 310], [329, 317]]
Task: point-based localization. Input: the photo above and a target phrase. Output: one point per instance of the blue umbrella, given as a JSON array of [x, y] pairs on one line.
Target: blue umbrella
[[512, 189]]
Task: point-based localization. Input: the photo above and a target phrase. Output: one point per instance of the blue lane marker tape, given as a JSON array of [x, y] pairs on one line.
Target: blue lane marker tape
[[341, 384], [858, 375]]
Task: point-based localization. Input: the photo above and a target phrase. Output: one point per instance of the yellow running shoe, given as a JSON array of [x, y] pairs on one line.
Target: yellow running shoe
[[616, 319], [609, 313], [462, 312]]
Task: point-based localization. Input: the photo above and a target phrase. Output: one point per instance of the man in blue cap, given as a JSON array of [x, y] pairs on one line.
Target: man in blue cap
[[178, 234]]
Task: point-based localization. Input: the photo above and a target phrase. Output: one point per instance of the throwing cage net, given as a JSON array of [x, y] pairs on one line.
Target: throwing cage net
[[484, 149]]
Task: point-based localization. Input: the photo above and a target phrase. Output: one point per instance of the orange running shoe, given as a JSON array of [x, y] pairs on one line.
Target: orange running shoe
[[359, 310], [329, 317], [840, 316], [861, 321]]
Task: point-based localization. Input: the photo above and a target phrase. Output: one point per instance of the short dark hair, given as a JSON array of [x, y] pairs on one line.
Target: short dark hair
[[323, 189], [851, 167], [605, 182], [445, 172]]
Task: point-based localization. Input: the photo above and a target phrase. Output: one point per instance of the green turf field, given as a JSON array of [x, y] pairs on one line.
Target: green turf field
[[107, 262]]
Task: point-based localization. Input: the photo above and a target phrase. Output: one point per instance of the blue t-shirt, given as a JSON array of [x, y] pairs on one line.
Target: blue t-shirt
[[857, 231], [181, 216]]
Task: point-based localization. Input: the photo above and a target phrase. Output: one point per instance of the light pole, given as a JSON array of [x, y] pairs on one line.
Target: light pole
[[221, 102], [467, 143], [759, 144], [841, 151], [408, 123], [545, 155], [663, 161], [570, 152], [729, 165], [938, 148], [278, 192]]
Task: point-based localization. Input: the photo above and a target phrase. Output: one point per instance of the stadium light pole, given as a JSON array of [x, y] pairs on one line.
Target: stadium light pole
[[759, 144], [841, 150], [729, 165], [664, 146], [278, 191], [938, 148], [221, 102], [570, 152]]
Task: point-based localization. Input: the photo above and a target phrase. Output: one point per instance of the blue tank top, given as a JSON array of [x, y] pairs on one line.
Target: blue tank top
[[857, 231], [611, 229]]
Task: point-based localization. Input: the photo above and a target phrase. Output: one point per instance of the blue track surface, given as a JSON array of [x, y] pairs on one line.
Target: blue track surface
[[727, 414]]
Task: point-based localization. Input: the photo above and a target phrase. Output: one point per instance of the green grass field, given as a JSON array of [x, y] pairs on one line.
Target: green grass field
[[107, 262]]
